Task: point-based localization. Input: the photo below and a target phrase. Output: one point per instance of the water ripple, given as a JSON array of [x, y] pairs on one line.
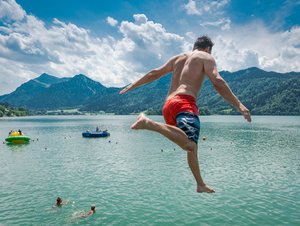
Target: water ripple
[[137, 178]]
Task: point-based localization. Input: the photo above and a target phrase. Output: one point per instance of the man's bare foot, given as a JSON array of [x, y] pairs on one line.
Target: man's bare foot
[[141, 122], [205, 188]]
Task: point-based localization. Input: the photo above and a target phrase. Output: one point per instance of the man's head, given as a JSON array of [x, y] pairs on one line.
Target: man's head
[[93, 208], [203, 43]]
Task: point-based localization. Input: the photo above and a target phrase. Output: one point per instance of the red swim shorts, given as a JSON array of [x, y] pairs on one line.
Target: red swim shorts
[[177, 104]]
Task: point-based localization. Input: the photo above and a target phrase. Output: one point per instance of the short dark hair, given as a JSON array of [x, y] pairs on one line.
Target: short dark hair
[[203, 42]]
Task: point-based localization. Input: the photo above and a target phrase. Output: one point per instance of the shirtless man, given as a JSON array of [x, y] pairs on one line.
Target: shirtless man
[[180, 110]]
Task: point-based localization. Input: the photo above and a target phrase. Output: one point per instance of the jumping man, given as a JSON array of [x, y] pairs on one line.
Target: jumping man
[[180, 110]]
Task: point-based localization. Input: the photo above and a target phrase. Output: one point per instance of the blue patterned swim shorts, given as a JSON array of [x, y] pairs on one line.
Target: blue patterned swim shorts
[[189, 123]]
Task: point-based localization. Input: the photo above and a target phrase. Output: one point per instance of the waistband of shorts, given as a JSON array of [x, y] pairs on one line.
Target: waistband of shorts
[[185, 96], [187, 113]]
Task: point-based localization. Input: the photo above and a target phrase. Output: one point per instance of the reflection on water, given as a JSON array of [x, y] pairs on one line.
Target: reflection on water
[[16, 147]]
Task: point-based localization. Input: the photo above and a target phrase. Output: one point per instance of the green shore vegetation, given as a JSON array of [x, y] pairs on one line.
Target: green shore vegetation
[[8, 111]]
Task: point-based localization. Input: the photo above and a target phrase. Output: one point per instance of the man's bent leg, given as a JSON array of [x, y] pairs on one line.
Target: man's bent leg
[[171, 132], [180, 138]]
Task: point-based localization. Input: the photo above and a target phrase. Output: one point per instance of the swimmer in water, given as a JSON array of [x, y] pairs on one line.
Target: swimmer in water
[[91, 212], [85, 215], [59, 202]]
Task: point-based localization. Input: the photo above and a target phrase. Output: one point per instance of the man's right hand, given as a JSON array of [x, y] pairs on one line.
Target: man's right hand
[[126, 89], [245, 112]]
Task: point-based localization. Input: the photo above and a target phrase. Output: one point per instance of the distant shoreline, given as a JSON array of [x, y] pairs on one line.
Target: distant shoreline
[[8, 111], [134, 114]]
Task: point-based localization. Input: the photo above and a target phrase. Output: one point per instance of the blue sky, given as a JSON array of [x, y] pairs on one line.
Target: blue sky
[[115, 42]]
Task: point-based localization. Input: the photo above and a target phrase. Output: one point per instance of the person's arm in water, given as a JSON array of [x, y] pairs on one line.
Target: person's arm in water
[[151, 76], [222, 87]]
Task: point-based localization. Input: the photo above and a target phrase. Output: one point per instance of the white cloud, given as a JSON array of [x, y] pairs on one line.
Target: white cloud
[[150, 42], [230, 57], [140, 19], [64, 49], [199, 7], [191, 8], [29, 48], [249, 45], [287, 57], [255, 46], [10, 10], [219, 3], [111, 21], [223, 23], [11, 76]]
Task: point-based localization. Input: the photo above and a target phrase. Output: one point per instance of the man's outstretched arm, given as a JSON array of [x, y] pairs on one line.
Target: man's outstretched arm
[[151, 76], [223, 89]]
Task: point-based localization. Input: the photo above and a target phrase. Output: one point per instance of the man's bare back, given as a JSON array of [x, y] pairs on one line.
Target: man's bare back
[[188, 73]]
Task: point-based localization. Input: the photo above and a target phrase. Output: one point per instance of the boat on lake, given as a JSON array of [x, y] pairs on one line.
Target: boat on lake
[[16, 137], [96, 134]]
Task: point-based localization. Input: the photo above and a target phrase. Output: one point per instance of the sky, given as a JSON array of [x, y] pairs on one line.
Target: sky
[[115, 42]]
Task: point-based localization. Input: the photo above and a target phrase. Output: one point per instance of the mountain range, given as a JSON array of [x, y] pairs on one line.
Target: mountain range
[[264, 93]]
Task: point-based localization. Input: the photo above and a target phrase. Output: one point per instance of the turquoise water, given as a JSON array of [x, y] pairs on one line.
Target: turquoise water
[[137, 178]]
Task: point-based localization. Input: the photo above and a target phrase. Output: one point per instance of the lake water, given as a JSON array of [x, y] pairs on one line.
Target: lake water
[[140, 178]]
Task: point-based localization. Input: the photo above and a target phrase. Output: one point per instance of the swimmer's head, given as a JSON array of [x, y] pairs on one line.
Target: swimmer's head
[[93, 208], [58, 200]]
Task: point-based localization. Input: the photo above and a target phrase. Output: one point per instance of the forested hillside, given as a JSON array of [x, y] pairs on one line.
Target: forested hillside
[[264, 93], [6, 110]]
